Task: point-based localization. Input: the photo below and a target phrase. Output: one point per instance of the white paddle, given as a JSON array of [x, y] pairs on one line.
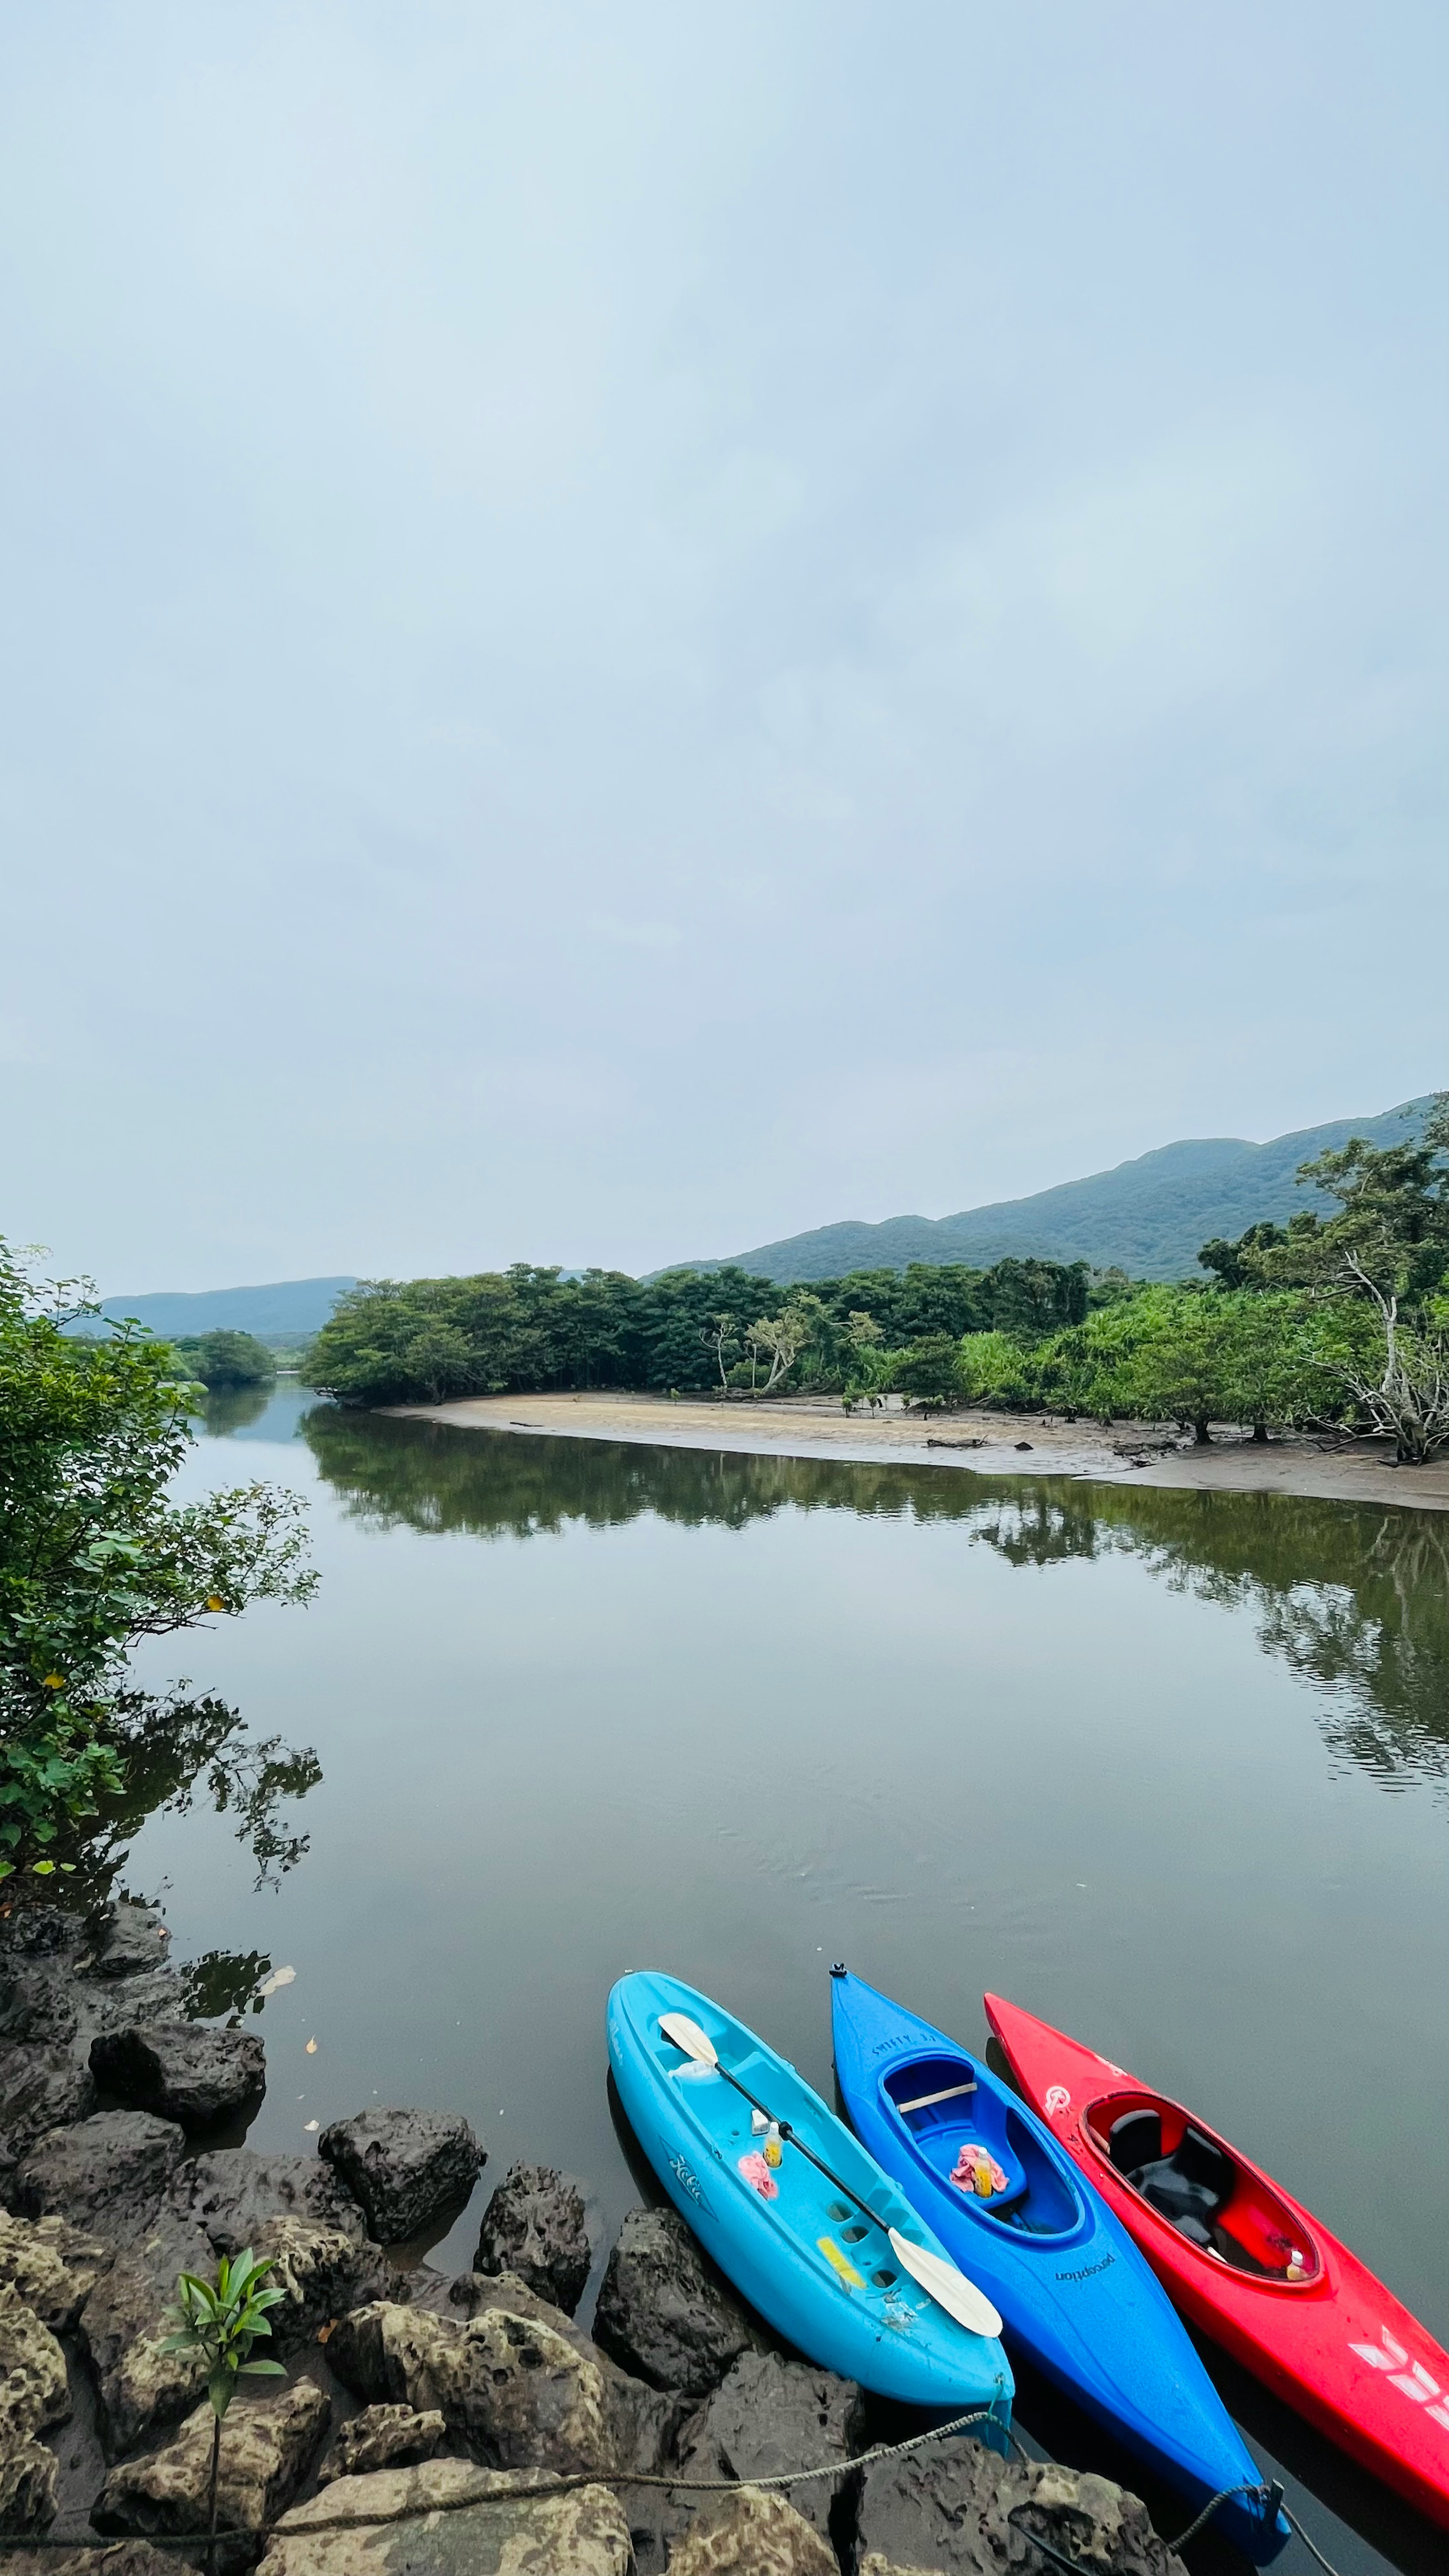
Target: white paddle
[[941, 2280]]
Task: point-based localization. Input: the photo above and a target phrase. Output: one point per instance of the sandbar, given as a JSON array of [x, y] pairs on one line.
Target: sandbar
[[979, 1443]]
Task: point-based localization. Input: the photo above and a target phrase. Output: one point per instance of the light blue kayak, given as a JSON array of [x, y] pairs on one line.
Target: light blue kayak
[[1009, 2205], [821, 2273]]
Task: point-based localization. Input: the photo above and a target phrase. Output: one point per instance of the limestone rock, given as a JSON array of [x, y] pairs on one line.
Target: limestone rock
[[535, 2226], [406, 2168], [437, 2520], [266, 2445], [33, 2390], [754, 2534], [108, 2558], [123, 2325], [33, 2393], [40, 2089], [52, 2005], [323, 2271], [27, 2483], [181, 2070], [381, 2437], [519, 2390], [946, 2508], [664, 2312], [52, 2266], [107, 2174], [232, 2192], [767, 2415], [128, 1942]]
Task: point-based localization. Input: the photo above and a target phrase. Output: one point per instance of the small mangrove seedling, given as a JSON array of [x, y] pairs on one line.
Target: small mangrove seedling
[[222, 2320]]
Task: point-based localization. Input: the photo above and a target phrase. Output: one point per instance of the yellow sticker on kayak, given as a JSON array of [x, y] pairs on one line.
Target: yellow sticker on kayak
[[840, 2263]]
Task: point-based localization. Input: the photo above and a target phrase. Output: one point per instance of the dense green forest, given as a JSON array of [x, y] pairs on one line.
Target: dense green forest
[[1337, 1318], [430, 1339], [222, 1360]]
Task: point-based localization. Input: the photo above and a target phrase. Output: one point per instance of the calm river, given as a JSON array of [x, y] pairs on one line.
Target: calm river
[[1170, 1769]]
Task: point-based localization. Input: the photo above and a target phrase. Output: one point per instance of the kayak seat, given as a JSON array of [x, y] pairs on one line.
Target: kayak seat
[[941, 2104], [1191, 2187], [1135, 2140]]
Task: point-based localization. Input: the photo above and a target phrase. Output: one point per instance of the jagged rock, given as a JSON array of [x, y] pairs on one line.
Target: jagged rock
[[323, 2271], [40, 2089], [522, 2390], [33, 2391], [664, 2312], [381, 2437], [51, 2007], [27, 2483], [216, 2205], [128, 1941], [107, 2174], [52, 2266], [436, 2520], [181, 2070], [37, 1998], [266, 2446], [232, 2192], [754, 2534], [123, 2325], [535, 2226], [113, 2558], [767, 2415], [33, 2394], [946, 2508], [405, 2167]]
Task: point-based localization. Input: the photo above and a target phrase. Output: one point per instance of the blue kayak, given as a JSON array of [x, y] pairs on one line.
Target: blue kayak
[[1076, 2297], [819, 2272]]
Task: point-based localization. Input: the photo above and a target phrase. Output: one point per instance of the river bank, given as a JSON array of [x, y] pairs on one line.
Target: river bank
[[1358, 1471], [426, 2421]]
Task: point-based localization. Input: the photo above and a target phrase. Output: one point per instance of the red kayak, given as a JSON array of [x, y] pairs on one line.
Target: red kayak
[[1248, 2265]]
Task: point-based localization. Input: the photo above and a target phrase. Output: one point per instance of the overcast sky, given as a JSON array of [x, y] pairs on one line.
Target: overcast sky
[[628, 629]]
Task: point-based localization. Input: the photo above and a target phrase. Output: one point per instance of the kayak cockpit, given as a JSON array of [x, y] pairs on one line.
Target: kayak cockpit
[[1205, 2192], [973, 2142]]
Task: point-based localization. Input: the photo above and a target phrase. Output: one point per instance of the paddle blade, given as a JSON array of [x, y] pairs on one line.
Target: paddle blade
[[949, 2288], [686, 2034]]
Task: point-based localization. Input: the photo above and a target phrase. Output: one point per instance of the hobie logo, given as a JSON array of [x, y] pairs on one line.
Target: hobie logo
[[1057, 2099], [1409, 2376]]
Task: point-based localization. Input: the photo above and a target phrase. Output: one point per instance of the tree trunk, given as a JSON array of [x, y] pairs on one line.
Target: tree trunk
[[1201, 1436], [1260, 1434]]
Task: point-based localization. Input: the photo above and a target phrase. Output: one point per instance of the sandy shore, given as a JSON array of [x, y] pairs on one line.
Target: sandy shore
[[980, 1443]]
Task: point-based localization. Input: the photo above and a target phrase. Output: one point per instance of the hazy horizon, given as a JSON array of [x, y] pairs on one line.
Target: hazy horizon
[[627, 636]]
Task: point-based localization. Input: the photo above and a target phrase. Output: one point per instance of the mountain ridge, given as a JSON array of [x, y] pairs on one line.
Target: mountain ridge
[[288, 1307], [1148, 1216]]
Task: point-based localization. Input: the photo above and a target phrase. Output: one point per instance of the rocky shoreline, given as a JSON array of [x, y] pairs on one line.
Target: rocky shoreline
[[426, 2425]]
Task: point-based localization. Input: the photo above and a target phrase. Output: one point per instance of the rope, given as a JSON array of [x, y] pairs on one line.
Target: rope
[[532, 2485], [535, 2485], [1310, 2545], [1271, 2495]]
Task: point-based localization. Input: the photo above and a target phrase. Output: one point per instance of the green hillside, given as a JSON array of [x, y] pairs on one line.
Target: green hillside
[[1148, 1217]]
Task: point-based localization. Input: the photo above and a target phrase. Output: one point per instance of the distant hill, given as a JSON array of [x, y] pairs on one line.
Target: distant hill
[[1148, 1217], [287, 1310]]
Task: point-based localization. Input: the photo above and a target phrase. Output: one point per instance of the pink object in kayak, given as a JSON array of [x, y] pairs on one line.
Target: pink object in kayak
[[756, 2171]]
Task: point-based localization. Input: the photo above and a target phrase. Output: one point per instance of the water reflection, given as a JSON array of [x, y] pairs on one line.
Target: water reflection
[[1354, 1599]]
